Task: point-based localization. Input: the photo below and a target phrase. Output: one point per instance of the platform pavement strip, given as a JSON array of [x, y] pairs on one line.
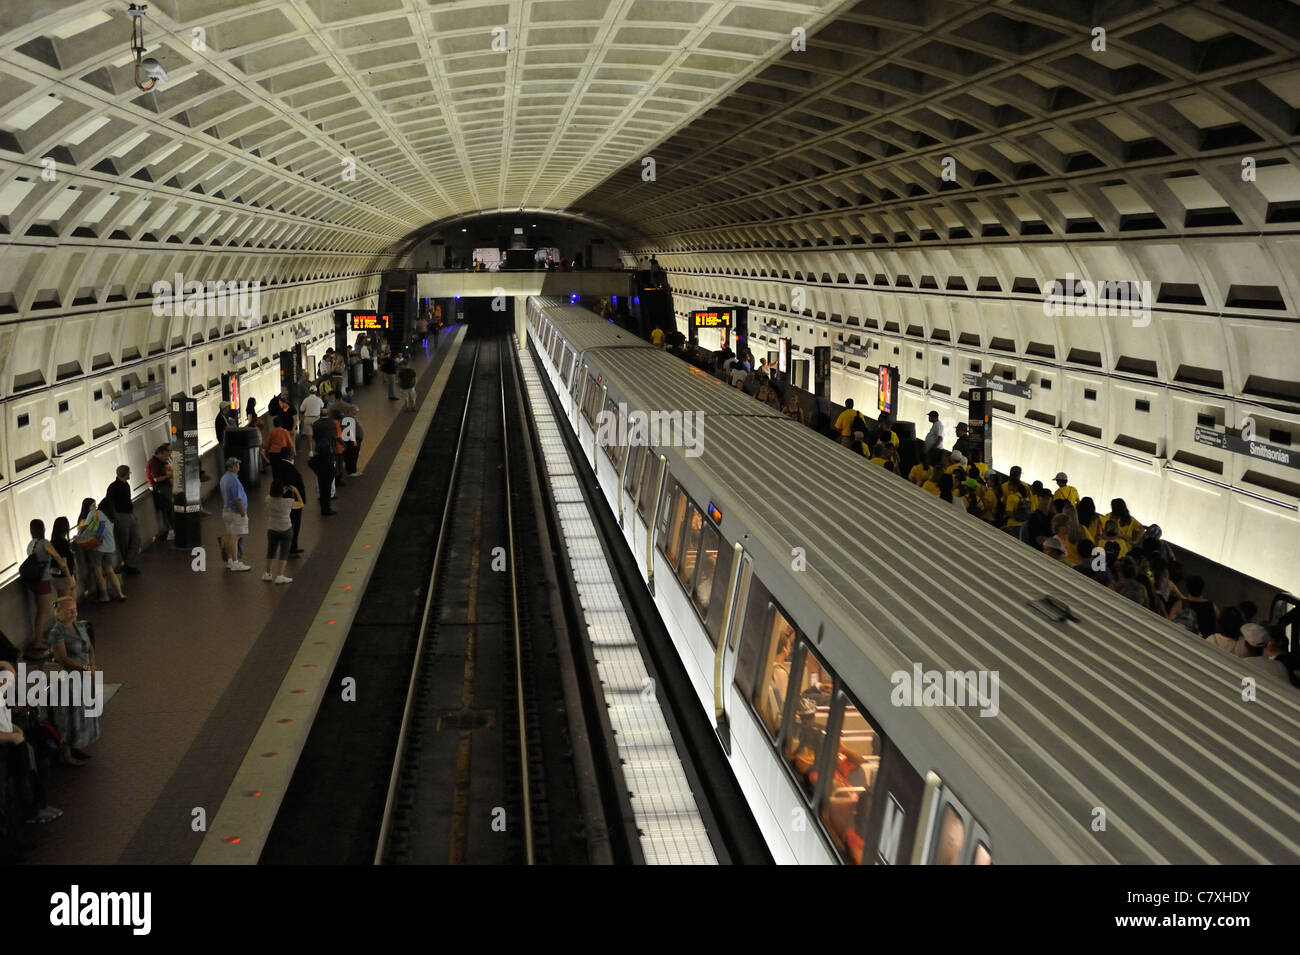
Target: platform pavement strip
[[667, 817], [243, 822]]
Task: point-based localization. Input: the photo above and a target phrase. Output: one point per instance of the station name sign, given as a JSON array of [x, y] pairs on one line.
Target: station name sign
[[1254, 449], [997, 384]]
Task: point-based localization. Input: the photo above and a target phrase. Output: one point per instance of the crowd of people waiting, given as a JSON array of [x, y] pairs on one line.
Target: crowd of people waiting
[[1114, 549], [87, 561]]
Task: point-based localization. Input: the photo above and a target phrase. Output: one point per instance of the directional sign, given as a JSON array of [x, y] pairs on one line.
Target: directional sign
[[127, 398], [1254, 449], [997, 384]]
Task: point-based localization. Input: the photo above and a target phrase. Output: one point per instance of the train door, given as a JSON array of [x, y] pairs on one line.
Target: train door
[[724, 662], [891, 825], [952, 835]]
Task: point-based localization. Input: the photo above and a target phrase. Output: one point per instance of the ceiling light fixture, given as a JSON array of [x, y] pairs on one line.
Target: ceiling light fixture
[[152, 68]]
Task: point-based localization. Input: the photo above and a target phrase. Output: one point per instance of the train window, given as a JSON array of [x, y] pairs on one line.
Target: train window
[[710, 541], [711, 594], [607, 436], [591, 400], [848, 799], [812, 709], [773, 689], [691, 553], [982, 855], [566, 366], [952, 836], [676, 514], [651, 485], [754, 636], [634, 465]]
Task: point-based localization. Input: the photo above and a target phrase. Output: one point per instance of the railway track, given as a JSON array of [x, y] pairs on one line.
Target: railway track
[[469, 780]]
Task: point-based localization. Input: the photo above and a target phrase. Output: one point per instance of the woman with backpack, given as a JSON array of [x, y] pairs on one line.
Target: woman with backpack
[[95, 539]]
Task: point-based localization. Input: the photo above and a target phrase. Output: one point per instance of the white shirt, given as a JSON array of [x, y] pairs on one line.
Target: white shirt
[[935, 436], [364, 352], [311, 406], [7, 722]]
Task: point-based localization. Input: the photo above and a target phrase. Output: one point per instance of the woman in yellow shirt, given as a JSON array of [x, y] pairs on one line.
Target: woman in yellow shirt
[[1126, 523], [1089, 519]]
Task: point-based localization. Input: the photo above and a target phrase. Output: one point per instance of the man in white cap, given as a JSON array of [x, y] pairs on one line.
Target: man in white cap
[[311, 409], [1274, 646], [934, 437], [1063, 490]]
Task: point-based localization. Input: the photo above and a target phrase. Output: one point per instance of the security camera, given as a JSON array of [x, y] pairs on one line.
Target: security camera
[[153, 69]]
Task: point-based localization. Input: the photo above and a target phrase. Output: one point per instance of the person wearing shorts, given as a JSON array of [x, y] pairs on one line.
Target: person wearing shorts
[[48, 557], [280, 504], [406, 382], [234, 514]]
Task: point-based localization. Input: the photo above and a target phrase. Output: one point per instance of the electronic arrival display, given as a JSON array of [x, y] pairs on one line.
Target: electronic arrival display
[[713, 318], [362, 322]]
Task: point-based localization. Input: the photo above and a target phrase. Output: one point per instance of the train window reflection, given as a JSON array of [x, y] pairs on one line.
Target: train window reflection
[[677, 518], [691, 555], [633, 477], [853, 780], [708, 566], [755, 642], [807, 736], [652, 469], [775, 684], [607, 434], [712, 599], [952, 835]]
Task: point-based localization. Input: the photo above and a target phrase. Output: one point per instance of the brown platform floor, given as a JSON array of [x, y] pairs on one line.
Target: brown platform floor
[[199, 657]]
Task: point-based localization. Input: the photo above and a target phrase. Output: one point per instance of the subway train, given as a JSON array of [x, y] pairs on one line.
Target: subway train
[[894, 681]]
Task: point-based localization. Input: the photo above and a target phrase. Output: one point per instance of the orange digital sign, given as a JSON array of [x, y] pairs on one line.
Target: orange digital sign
[[368, 323], [712, 319]]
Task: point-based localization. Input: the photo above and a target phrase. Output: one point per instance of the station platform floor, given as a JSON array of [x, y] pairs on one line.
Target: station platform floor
[[198, 657]]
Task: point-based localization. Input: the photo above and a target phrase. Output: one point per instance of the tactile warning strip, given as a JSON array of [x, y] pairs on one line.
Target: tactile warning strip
[[668, 820]]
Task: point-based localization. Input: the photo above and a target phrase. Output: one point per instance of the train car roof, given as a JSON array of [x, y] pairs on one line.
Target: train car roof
[[584, 329], [1122, 709]]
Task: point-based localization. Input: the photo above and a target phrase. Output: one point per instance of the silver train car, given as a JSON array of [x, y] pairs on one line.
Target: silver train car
[[894, 681]]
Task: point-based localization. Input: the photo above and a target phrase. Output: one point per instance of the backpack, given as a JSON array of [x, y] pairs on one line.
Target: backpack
[[29, 571]]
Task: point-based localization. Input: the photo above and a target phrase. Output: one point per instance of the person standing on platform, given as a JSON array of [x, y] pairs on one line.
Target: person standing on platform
[[280, 504], [322, 462], [388, 365], [48, 558], [226, 418], [406, 381], [846, 423], [934, 437], [279, 441], [352, 438], [74, 648], [311, 409], [127, 525], [158, 472], [93, 525], [336, 419], [291, 477], [1063, 490], [234, 514]]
